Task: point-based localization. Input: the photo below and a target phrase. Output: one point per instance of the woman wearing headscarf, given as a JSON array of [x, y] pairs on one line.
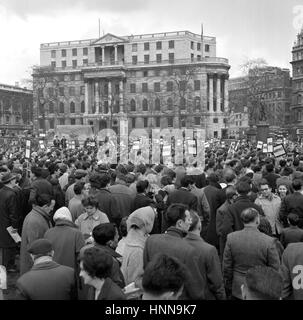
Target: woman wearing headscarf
[[66, 239], [139, 225]]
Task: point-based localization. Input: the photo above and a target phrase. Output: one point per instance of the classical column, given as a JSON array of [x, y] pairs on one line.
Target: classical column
[[218, 93], [226, 98], [97, 96], [211, 93], [110, 96], [116, 54], [121, 101], [103, 56], [86, 97]]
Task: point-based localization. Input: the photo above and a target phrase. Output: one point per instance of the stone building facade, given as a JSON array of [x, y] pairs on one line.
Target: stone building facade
[[297, 83], [160, 80], [269, 86], [16, 109]]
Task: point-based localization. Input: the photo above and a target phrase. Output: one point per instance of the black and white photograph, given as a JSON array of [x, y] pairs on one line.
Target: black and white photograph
[[151, 151]]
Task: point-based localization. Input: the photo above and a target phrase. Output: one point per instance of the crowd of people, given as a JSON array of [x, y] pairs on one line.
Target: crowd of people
[[98, 231]]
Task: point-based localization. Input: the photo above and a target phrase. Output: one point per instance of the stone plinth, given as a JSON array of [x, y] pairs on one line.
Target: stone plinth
[[262, 132]]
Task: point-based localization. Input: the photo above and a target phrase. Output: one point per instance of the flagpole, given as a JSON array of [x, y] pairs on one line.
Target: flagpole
[[202, 41], [99, 29]]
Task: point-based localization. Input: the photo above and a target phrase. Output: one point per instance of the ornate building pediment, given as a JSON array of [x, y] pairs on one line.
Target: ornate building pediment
[[109, 39]]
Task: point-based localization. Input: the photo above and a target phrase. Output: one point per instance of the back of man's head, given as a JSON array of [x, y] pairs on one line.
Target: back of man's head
[[195, 221], [293, 219], [230, 192], [229, 175], [164, 278], [78, 187], [175, 212], [103, 233], [263, 283], [297, 185], [249, 215], [269, 167], [243, 187], [186, 181]]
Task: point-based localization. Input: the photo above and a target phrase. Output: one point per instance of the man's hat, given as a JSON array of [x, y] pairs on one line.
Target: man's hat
[[40, 247], [8, 177]]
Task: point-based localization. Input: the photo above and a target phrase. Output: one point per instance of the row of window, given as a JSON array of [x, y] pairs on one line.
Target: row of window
[[74, 63], [298, 85], [74, 52], [169, 86], [72, 107], [171, 45], [169, 104]]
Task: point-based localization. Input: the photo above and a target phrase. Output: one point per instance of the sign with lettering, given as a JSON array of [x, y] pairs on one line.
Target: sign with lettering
[[279, 150]]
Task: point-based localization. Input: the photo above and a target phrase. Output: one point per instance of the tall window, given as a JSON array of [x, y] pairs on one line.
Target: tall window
[[146, 58], [183, 121], [134, 59], [144, 87], [134, 47], [82, 107], [158, 122], [51, 107], [169, 86], [145, 105], [63, 53], [146, 45], [133, 122], [145, 122], [171, 44], [158, 45], [171, 57], [72, 91], [85, 62], [53, 53], [61, 91], [85, 51], [170, 121], [74, 63], [207, 48], [132, 88], [197, 103], [157, 87], [61, 107], [198, 46], [157, 104], [106, 109], [82, 90], [192, 45], [72, 122], [74, 52], [182, 103], [72, 107], [63, 64], [61, 121], [169, 104], [197, 121], [132, 105], [159, 57], [197, 85], [53, 64], [51, 124]]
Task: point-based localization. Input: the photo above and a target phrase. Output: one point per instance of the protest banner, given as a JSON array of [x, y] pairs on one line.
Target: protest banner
[[259, 145], [28, 149], [279, 151], [270, 146]]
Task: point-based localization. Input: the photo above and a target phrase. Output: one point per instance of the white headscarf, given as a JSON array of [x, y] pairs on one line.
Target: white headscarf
[[63, 214]]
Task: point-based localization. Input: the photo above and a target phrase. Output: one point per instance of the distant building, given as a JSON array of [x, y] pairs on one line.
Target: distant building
[[270, 87], [297, 84], [16, 109], [160, 80]]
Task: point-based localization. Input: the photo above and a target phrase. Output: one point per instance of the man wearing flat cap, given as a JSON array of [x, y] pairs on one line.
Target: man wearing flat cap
[[47, 280], [8, 217]]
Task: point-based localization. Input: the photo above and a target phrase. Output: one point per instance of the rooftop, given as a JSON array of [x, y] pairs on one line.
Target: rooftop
[[148, 36]]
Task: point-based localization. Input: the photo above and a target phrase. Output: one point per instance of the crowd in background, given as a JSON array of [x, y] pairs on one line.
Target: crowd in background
[[93, 230]]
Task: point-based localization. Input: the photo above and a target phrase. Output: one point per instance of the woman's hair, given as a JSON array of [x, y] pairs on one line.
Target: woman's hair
[[89, 201]]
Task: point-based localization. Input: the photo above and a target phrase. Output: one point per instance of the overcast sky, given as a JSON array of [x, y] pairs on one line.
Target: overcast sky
[[243, 28]]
